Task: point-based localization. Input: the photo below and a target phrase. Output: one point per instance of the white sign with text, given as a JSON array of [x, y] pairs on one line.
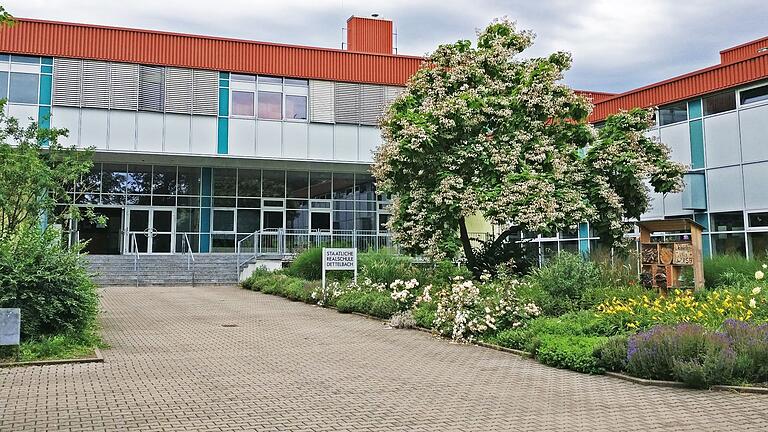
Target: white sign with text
[[339, 259]]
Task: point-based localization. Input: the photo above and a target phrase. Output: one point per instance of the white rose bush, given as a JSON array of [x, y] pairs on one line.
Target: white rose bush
[[480, 130]]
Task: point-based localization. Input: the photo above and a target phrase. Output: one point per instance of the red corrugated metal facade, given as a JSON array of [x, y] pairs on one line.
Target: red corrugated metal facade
[[369, 35], [161, 48], [742, 64]]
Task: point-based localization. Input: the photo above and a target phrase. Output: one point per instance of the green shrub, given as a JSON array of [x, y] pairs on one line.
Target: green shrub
[[307, 265], [378, 304], [570, 352], [581, 323], [519, 339], [596, 295], [384, 267], [557, 287], [50, 285], [612, 354], [729, 270], [441, 273], [424, 314], [277, 283]]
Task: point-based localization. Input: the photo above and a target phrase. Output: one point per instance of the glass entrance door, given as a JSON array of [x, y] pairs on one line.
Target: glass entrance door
[[153, 229]]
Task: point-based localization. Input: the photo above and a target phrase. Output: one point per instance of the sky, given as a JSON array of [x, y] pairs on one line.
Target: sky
[[617, 45]]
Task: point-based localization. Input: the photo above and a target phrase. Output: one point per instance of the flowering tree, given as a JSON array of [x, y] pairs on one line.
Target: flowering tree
[[481, 131]]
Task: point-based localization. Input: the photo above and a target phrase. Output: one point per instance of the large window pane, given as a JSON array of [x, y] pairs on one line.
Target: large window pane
[[754, 95], [297, 184], [343, 186], [758, 245], [187, 219], [758, 219], [270, 105], [223, 243], [242, 103], [273, 184], [364, 186], [23, 88], [297, 219], [164, 180], [249, 183], [270, 80], [343, 220], [673, 113], [113, 179], [729, 221], [295, 107], [224, 182], [15, 58], [720, 102], [729, 244], [224, 220], [366, 221], [248, 221], [320, 185], [139, 179], [3, 85], [189, 181]]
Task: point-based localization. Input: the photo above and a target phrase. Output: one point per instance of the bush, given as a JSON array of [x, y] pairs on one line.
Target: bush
[[751, 345], [307, 265], [50, 285], [729, 270], [685, 352], [570, 352], [378, 304], [581, 323], [519, 339], [424, 314], [595, 295], [558, 287], [384, 267], [612, 353], [276, 283]]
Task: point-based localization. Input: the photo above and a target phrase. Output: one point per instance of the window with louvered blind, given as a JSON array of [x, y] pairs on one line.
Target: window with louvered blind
[[67, 82], [347, 103], [371, 103], [321, 101], [151, 88], [124, 86], [178, 90], [95, 84], [390, 94], [205, 92]]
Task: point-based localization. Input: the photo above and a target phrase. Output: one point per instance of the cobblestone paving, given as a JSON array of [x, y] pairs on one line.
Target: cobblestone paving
[[288, 366]]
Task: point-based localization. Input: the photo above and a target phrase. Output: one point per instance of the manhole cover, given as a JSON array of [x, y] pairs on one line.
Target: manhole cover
[[229, 325]]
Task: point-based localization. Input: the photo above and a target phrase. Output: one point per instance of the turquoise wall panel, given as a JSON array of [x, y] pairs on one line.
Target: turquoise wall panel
[[697, 144], [223, 140], [46, 84], [694, 109], [223, 102], [584, 246], [583, 230]]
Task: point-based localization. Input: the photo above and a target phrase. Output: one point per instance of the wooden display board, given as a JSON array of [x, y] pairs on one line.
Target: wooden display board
[[662, 263]]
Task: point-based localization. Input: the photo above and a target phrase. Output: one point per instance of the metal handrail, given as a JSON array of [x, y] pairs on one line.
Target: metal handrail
[[190, 257], [238, 248], [134, 246]]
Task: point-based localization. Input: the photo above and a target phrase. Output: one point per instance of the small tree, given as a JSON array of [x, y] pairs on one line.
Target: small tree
[[481, 131], [37, 175]]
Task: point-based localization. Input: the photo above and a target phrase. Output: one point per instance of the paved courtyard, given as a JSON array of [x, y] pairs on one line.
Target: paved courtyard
[[175, 363]]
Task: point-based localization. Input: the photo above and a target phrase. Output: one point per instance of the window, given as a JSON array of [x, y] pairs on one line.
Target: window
[[720, 102], [754, 95], [673, 113], [758, 220], [240, 77], [248, 221], [296, 82], [224, 220], [758, 245], [271, 105], [164, 180], [297, 183], [295, 107], [320, 185], [273, 184], [224, 182], [189, 181], [23, 88], [151, 88], [25, 59], [270, 80], [242, 103], [248, 183], [187, 220], [729, 244], [729, 221], [3, 85]]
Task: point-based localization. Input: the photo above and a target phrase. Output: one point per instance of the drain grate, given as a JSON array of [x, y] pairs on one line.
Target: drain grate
[[229, 325]]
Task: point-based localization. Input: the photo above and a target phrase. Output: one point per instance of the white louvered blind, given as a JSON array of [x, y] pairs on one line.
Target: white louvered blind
[[178, 90], [95, 84], [347, 103], [67, 81], [371, 103], [124, 86], [321, 101], [205, 92], [151, 94], [390, 94]]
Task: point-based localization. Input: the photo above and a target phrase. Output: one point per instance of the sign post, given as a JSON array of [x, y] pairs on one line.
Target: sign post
[[339, 259]]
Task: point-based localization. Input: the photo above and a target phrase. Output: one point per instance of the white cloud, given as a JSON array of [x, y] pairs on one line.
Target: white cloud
[[616, 44]]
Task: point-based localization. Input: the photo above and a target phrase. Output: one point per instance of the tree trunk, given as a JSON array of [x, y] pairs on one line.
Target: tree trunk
[[468, 252]]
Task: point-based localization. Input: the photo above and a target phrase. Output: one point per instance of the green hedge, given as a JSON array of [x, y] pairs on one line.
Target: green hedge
[[378, 304], [290, 287], [570, 352]]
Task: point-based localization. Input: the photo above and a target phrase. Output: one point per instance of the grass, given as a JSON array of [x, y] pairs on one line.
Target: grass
[[56, 347]]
